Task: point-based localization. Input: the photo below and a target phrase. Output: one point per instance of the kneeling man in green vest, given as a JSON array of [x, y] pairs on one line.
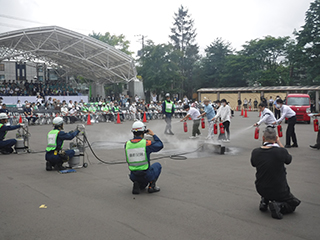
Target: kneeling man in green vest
[[138, 151], [54, 155]]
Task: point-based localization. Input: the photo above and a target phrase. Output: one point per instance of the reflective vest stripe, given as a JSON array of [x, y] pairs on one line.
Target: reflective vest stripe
[[136, 155]]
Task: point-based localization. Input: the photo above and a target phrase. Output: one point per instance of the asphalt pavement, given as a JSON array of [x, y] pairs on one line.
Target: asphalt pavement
[[206, 196]]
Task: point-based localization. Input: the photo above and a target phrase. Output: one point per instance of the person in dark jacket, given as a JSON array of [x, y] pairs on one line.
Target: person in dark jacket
[[138, 151], [271, 181], [6, 145], [55, 156]]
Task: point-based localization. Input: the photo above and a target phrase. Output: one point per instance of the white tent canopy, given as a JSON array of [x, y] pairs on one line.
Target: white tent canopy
[[78, 54]]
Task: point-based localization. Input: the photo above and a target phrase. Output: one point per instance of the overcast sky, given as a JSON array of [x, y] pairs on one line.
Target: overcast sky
[[233, 20]]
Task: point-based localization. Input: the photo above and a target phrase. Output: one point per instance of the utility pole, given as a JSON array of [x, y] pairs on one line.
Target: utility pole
[[141, 52]]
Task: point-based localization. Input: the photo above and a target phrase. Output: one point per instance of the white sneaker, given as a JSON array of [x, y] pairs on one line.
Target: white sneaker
[[192, 137], [228, 140]]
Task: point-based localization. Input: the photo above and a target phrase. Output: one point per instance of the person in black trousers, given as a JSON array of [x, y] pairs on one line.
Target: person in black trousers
[[271, 181], [287, 112]]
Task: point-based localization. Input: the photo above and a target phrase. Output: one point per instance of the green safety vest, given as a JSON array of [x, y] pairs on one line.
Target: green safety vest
[[85, 109], [106, 108], [5, 131], [52, 140], [116, 109], [92, 109], [136, 154], [169, 106]]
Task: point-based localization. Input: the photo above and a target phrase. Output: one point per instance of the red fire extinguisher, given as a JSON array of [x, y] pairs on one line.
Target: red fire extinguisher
[[215, 128], [185, 127], [221, 128], [279, 130], [256, 133], [316, 125], [203, 125]]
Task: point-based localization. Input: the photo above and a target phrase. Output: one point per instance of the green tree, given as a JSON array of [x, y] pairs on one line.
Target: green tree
[[307, 53], [214, 63], [266, 57], [159, 69], [183, 39], [119, 42]]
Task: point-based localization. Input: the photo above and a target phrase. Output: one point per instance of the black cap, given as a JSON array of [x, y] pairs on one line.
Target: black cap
[[186, 106]]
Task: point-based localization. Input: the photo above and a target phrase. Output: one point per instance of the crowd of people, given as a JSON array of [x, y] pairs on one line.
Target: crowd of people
[[32, 88]]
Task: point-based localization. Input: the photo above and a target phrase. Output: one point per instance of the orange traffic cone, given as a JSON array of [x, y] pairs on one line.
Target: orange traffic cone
[[237, 108], [89, 120], [20, 119], [144, 117], [245, 114], [249, 109], [241, 112], [118, 118]]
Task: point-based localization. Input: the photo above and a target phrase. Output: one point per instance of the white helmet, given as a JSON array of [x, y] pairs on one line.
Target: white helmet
[[138, 126], [167, 94], [3, 116], [57, 121]]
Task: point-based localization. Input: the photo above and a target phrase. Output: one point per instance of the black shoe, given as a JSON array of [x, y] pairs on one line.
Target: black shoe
[[136, 188], [294, 145], [287, 146], [275, 210], [153, 188], [315, 146], [4, 152], [49, 166], [263, 207], [59, 167], [294, 202]]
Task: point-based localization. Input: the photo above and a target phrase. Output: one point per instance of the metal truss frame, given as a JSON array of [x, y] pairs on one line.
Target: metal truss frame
[[78, 54]]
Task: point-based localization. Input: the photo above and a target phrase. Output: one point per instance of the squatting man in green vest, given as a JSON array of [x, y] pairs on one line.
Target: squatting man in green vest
[[54, 155], [168, 110], [138, 152], [6, 145]]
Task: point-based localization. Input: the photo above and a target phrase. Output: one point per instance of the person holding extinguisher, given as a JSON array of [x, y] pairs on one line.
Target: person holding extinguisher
[[195, 116], [210, 113], [287, 112], [224, 112], [317, 145]]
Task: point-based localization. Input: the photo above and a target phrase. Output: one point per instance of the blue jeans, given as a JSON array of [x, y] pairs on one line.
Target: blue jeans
[[7, 145], [151, 174], [56, 159]]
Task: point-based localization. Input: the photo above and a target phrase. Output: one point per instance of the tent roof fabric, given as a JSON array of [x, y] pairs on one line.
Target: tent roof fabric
[[77, 53]]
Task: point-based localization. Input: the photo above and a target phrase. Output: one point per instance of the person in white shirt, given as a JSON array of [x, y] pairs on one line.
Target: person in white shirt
[[194, 114], [266, 116], [19, 104], [287, 112], [70, 104], [133, 112], [154, 97], [224, 112], [72, 114]]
